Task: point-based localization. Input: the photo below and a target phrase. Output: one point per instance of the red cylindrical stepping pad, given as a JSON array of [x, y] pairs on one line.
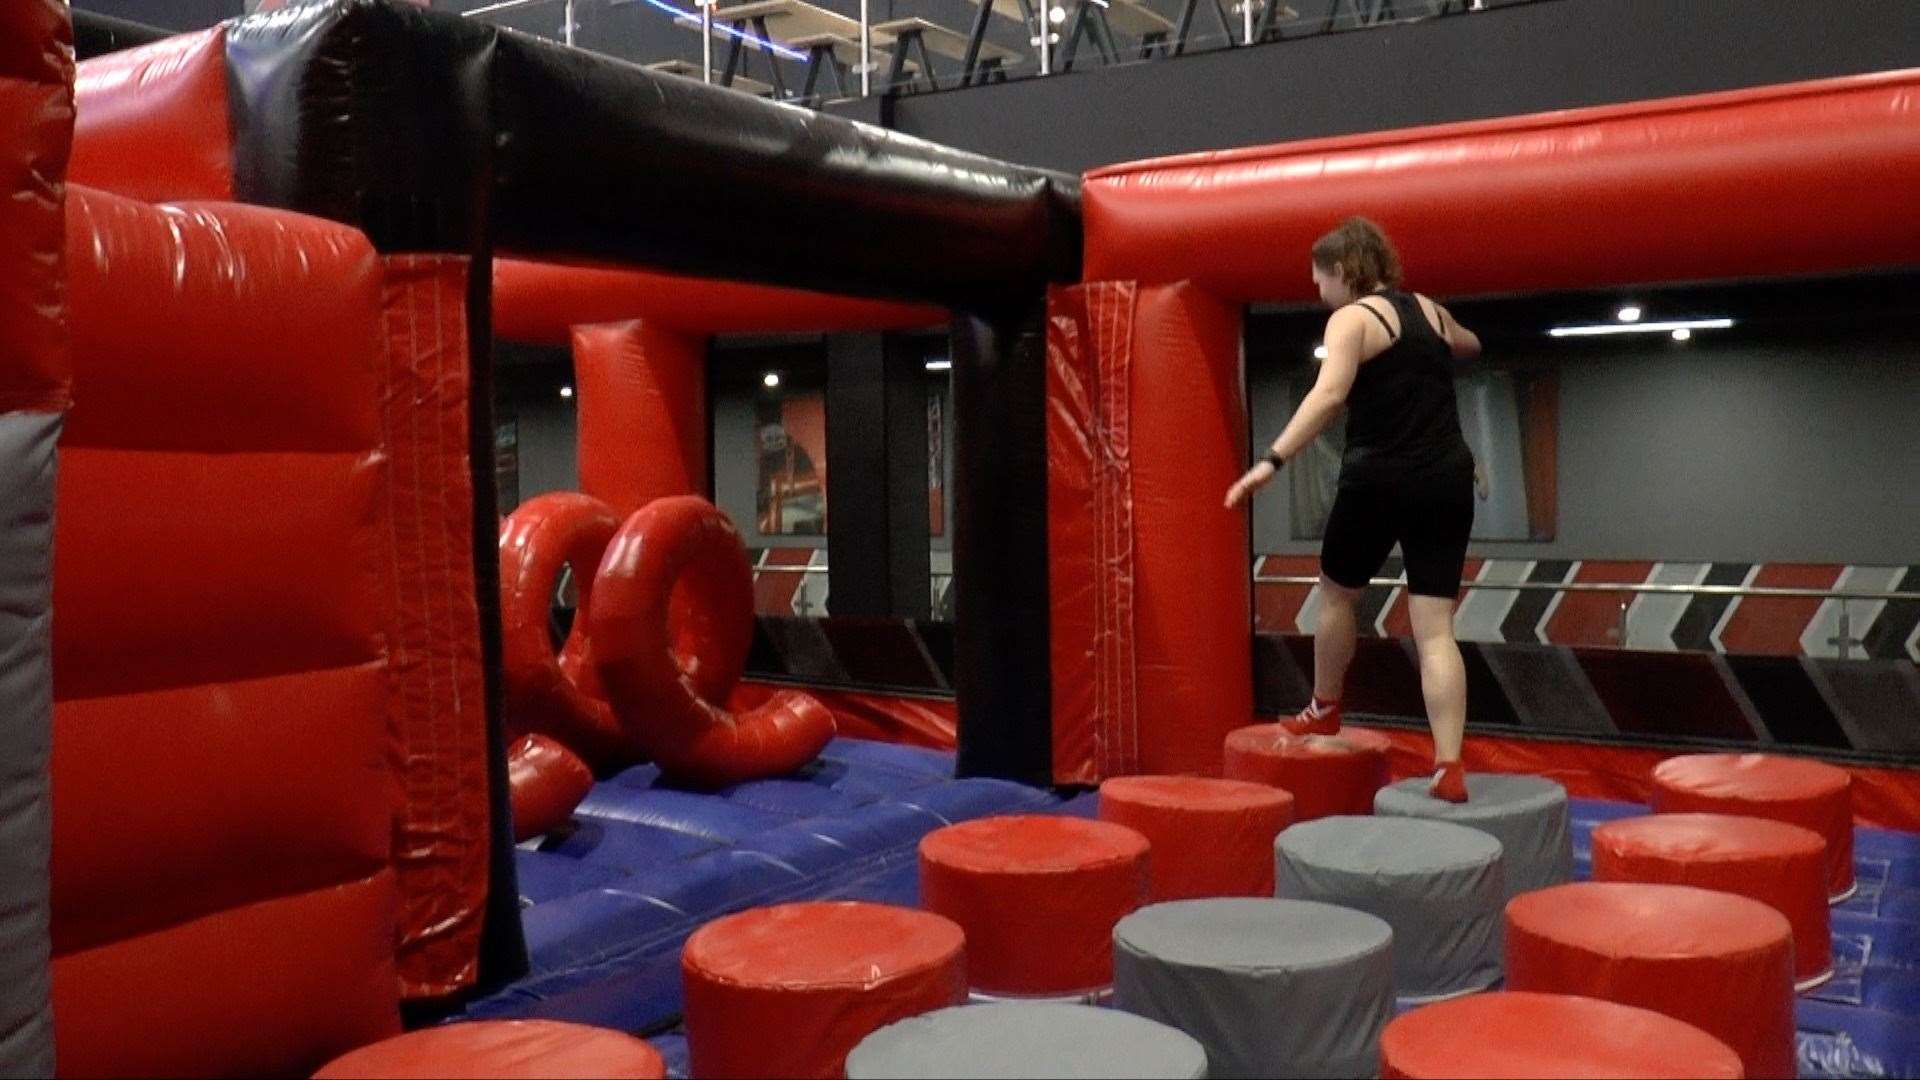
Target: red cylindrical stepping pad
[[1720, 962], [1782, 866], [1798, 791], [1518, 1035], [1325, 774], [1038, 897], [1208, 837], [502, 1049], [789, 990]]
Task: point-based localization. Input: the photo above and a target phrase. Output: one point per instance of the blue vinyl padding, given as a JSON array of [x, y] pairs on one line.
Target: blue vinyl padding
[[610, 899], [643, 866]]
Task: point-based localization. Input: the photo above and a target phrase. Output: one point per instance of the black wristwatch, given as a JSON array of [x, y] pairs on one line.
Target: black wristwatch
[[1275, 460]]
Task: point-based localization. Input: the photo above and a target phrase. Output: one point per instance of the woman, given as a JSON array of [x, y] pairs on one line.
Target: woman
[[1407, 477]]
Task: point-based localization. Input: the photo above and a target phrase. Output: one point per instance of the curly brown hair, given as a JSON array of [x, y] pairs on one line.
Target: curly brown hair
[[1360, 253]]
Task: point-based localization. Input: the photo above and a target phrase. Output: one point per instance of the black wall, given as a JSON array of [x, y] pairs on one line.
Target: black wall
[[1503, 61]]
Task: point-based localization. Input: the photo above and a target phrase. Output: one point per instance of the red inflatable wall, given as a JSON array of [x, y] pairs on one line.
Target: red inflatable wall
[[36, 127], [224, 798], [153, 122], [1685, 189], [642, 394], [1806, 178], [1152, 607], [439, 691]]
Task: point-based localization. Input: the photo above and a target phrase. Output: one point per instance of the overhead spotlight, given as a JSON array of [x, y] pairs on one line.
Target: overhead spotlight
[[939, 365], [1630, 313], [771, 380], [1057, 15], [1319, 352], [1682, 334], [566, 391]]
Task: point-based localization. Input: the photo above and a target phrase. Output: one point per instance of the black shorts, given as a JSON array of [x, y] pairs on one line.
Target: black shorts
[[1431, 522]]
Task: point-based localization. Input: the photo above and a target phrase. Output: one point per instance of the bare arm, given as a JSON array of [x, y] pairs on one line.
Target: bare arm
[[1346, 336], [1464, 342]]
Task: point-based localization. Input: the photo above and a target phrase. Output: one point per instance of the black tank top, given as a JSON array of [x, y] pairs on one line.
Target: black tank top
[[1403, 425]]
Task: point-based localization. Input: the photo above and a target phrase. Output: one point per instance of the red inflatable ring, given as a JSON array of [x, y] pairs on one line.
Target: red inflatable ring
[[556, 696], [671, 623]]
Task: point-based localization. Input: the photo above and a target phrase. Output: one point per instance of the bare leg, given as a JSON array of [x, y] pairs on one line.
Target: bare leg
[[1443, 677], [1333, 640]]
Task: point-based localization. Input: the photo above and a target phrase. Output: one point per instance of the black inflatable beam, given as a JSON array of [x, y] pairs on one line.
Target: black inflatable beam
[[97, 35], [430, 132]]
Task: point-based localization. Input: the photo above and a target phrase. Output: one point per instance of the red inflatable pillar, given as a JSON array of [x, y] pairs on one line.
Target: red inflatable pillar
[[642, 393], [1151, 592]]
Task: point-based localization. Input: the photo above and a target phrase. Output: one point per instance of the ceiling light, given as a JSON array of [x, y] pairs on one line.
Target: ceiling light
[[939, 365], [1639, 328], [1630, 313], [770, 380], [566, 391], [1682, 334], [1319, 352]]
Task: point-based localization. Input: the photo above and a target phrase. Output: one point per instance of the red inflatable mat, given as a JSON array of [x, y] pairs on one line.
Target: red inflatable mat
[[1209, 837], [1782, 866], [503, 1049], [1325, 774], [789, 990], [1798, 791], [1720, 962], [1518, 1035], [1038, 897]]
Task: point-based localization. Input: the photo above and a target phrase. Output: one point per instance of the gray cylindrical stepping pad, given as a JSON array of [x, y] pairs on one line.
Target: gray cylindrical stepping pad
[[1437, 884], [1027, 1040], [1269, 987], [1527, 814]]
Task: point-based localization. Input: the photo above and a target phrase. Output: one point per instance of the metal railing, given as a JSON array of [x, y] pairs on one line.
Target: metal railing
[[1035, 38], [1843, 640]]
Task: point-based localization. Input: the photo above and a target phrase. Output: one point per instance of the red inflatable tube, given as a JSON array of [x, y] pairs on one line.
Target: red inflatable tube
[[671, 622], [556, 695], [542, 303], [547, 781]]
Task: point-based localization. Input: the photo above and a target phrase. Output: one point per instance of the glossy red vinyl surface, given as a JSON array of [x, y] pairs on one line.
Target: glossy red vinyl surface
[[208, 328], [1782, 866], [1038, 897], [788, 990], [1720, 962], [1683, 189], [36, 129], [546, 781], [213, 836], [440, 692], [1325, 774], [641, 391], [671, 622], [1797, 791], [223, 649], [153, 120], [543, 691], [543, 302], [273, 988], [502, 1050], [1517, 1035], [1209, 837]]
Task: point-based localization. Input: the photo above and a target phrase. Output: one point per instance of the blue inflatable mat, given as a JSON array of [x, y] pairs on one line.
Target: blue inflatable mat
[[610, 899]]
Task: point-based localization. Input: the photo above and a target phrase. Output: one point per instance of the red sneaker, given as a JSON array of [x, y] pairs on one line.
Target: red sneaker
[[1321, 717], [1449, 782]]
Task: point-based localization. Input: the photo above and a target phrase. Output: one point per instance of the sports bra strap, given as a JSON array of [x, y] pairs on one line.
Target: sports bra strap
[[1375, 312]]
